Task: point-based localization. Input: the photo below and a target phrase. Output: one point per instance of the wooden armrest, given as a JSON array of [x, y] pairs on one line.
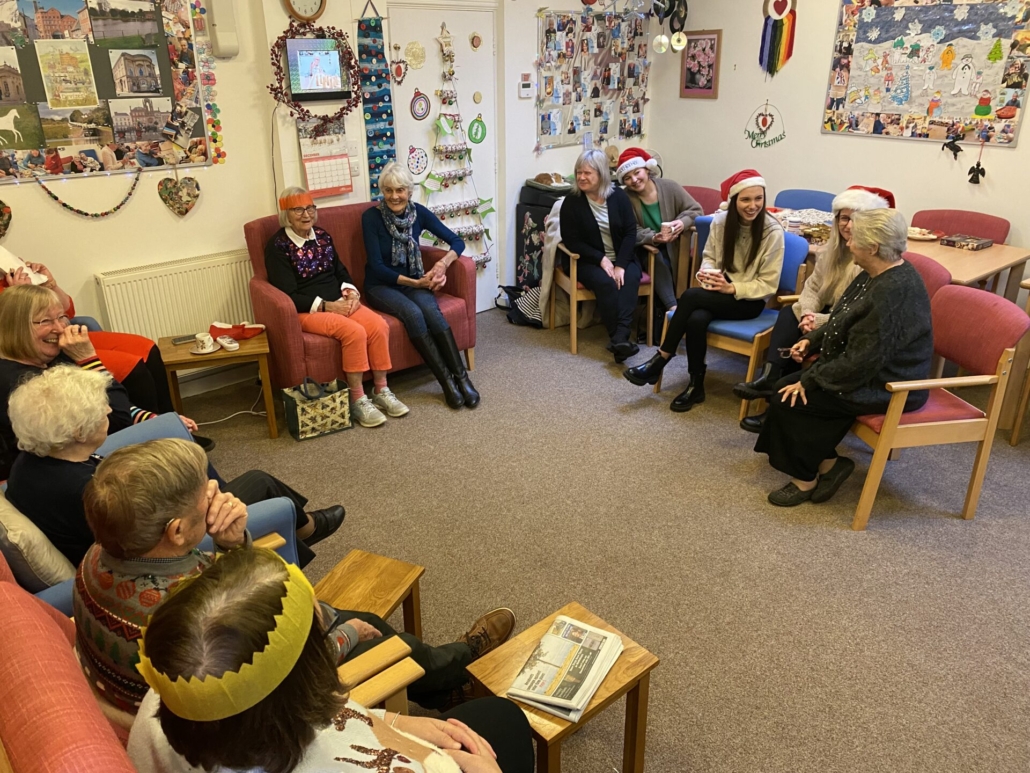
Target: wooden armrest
[[388, 683], [271, 541], [1025, 284], [785, 299], [572, 255], [368, 664], [650, 248], [942, 383]]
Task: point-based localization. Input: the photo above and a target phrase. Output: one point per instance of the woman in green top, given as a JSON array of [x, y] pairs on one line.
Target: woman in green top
[[665, 212]]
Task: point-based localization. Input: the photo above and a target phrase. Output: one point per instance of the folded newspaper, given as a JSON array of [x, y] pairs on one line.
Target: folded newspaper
[[566, 668]]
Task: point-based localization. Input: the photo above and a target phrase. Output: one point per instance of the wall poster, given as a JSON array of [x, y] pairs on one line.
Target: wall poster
[[923, 69], [591, 77]]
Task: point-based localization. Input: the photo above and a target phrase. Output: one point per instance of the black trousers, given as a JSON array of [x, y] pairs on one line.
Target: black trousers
[[798, 438], [147, 384], [785, 334], [615, 304], [694, 313], [257, 486], [444, 665], [505, 728]]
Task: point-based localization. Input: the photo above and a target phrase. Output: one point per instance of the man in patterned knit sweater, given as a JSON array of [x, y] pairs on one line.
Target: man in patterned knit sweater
[[150, 506]]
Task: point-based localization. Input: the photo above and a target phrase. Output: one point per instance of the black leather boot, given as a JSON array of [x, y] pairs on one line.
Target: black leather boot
[[449, 348], [647, 372], [431, 354], [692, 395], [753, 423], [762, 387]]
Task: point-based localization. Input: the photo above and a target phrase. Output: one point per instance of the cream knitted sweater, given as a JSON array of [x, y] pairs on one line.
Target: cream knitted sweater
[[760, 280]]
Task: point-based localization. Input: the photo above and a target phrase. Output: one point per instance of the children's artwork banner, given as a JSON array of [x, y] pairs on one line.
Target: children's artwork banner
[[931, 71]]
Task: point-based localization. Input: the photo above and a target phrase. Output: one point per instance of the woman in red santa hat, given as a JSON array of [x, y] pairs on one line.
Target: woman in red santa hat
[[597, 222], [834, 271], [739, 272], [664, 212]]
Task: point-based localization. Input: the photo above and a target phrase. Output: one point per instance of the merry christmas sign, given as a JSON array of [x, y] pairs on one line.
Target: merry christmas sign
[[930, 71]]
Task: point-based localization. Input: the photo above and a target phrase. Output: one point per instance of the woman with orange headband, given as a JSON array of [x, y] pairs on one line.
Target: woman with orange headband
[[301, 260]]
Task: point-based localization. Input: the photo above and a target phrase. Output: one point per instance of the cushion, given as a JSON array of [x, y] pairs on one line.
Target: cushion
[[49, 722], [744, 329], [941, 406], [35, 563]]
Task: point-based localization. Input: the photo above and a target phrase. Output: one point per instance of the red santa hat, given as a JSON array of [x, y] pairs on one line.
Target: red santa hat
[[861, 198], [634, 158], [733, 185]]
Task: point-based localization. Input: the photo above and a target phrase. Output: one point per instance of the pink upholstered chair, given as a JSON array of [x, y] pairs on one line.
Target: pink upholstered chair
[[960, 221], [295, 354], [935, 276], [708, 198], [979, 332]]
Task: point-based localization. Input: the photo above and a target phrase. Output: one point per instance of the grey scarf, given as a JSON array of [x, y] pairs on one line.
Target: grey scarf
[[405, 245]]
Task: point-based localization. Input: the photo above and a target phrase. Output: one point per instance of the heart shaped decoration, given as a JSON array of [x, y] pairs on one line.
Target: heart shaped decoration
[[5, 219], [179, 195], [764, 122], [780, 7]]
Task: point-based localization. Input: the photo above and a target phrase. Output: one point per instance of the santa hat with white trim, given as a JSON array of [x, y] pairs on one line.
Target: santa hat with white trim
[[634, 158], [862, 198], [731, 186]]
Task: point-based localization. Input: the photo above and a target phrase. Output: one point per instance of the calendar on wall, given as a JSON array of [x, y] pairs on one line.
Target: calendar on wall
[[326, 160]]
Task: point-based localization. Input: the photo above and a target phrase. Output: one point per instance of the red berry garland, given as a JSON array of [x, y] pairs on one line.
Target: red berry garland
[[349, 64]]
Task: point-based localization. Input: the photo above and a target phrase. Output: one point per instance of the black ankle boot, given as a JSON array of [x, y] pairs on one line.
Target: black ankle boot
[[647, 372], [434, 359], [449, 348], [692, 395], [762, 387]]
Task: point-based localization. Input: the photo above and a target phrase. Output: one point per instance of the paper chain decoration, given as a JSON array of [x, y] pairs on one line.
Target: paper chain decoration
[[473, 232], [469, 207], [94, 215], [447, 96], [450, 152], [348, 64]]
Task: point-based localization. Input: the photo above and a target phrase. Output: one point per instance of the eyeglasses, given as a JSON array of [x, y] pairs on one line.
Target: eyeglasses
[[785, 352], [301, 211], [843, 219], [63, 320]]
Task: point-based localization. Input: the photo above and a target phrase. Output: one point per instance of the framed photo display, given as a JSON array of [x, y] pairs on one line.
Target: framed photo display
[[699, 70]]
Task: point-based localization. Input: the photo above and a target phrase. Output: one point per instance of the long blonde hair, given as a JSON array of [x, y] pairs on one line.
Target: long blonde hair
[[837, 254]]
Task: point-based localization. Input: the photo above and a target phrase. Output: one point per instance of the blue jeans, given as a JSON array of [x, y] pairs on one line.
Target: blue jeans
[[415, 307]]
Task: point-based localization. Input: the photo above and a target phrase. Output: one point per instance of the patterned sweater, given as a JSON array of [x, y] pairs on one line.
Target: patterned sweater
[[113, 598], [306, 273]]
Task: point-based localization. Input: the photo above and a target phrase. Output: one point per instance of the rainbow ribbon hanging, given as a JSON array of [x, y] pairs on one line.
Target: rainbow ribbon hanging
[[777, 35]]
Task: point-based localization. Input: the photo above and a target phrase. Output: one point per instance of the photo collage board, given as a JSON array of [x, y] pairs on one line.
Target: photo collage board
[[97, 86], [591, 77], [930, 70]]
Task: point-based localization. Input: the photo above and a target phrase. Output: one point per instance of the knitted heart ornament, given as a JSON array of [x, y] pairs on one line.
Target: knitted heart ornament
[[5, 219], [179, 195]]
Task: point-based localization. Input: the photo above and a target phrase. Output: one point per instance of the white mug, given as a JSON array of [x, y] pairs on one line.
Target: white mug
[[205, 341]]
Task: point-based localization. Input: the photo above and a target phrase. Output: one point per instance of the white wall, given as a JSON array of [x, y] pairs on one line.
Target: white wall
[[145, 231], [702, 141]]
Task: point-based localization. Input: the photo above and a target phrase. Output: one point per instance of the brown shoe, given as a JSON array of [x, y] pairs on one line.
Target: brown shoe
[[489, 632]]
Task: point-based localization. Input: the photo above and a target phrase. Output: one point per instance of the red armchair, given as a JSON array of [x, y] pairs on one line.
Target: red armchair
[[295, 354]]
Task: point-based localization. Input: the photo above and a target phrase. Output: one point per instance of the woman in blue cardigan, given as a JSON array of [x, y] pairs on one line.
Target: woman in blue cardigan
[[395, 281], [597, 223]]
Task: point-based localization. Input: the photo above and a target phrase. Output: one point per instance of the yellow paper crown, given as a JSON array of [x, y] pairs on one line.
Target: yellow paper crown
[[213, 698]]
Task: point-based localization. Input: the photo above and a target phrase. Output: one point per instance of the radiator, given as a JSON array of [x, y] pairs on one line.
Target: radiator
[[178, 297]]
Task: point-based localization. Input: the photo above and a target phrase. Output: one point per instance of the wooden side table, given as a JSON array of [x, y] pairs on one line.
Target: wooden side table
[[630, 676], [254, 349]]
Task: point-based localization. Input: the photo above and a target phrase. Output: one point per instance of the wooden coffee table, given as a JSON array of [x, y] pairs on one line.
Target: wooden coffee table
[[630, 676], [254, 349]]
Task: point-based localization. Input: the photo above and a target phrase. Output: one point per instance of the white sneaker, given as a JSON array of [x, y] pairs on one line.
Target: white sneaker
[[387, 401], [365, 413]]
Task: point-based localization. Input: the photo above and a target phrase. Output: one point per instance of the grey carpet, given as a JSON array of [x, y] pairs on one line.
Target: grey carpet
[[787, 641]]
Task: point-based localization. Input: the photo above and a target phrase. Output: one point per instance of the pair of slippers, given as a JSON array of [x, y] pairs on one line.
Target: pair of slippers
[[240, 332]]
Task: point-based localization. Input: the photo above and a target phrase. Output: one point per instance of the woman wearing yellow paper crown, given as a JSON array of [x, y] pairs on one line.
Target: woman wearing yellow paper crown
[[242, 678]]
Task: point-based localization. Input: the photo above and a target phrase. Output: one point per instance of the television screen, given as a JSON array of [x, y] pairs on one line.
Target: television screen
[[315, 70]]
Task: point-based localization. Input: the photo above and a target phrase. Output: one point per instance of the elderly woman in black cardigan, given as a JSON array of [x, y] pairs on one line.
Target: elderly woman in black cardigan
[[879, 331], [598, 224]]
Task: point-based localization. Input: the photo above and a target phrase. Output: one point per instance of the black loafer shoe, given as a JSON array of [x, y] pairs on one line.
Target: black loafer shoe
[[832, 480], [204, 442], [789, 496], [753, 423], [327, 522], [623, 351]]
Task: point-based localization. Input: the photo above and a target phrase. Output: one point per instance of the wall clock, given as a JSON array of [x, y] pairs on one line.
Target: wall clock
[[305, 10]]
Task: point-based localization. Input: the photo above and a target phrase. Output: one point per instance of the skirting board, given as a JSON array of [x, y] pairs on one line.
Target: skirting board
[[209, 379]]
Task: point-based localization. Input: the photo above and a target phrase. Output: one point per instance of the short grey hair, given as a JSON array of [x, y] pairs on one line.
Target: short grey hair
[[598, 161], [883, 229], [293, 190], [61, 406], [396, 175]]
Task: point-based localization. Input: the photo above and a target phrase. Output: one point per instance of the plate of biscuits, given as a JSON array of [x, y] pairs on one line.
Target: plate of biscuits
[[923, 234]]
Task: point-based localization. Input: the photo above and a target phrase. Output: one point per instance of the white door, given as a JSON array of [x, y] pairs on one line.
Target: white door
[[474, 77]]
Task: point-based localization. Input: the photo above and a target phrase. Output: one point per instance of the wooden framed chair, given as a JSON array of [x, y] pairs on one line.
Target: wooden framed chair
[[750, 337], [382, 675], [577, 292], [979, 332], [1024, 396]]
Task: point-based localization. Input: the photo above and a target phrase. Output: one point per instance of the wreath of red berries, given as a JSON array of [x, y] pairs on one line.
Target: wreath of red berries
[[349, 64]]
